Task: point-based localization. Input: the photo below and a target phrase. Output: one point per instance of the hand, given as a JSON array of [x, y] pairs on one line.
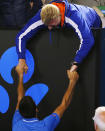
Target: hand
[[72, 75], [73, 68], [19, 71], [22, 66]]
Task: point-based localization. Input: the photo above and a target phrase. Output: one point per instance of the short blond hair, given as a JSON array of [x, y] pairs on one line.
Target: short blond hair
[[49, 12]]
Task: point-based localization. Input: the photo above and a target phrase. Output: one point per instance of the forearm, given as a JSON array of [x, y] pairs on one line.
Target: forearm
[[68, 94], [29, 30], [20, 89], [73, 77], [66, 100]]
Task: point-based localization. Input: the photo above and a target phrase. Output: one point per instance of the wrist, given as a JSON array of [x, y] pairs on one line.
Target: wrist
[[20, 77], [74, 63], [22, 60]]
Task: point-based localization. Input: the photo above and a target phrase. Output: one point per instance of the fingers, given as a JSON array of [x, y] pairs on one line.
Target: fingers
[[21, 68], [25, 69], [72, 75]]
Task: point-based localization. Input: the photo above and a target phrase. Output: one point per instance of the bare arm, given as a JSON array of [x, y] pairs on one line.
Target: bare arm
[[27, 32], [20, 89], [73, 76]]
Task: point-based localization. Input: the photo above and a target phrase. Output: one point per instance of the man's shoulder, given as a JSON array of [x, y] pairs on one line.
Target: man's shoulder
[[51, 121], [16, 117], [52, 116]]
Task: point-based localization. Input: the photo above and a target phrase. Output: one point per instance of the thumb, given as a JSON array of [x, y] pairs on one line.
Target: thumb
[[25, 69]]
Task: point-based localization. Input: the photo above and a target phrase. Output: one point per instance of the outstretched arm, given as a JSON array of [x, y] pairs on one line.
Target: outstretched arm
[[29, 30], [20, 89], [73, 76], [83, 30]]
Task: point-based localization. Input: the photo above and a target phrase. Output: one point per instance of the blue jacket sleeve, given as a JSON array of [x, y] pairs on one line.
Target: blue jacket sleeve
[[86, 40], [26, 33], [84, 33]]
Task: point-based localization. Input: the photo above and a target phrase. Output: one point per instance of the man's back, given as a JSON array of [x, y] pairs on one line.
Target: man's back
[[88, 14], [22, 124]]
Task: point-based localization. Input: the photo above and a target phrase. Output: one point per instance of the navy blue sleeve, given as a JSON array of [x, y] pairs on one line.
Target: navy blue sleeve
[[26, 33], [52, 121], [84, 33], [16, 117], [86, 40]]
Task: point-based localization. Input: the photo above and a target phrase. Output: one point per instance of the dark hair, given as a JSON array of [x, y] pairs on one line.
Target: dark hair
[[27, 107]]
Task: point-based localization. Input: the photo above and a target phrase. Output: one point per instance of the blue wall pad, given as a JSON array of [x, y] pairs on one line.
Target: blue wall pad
[[9, 59], [37, 92], [4, 100]]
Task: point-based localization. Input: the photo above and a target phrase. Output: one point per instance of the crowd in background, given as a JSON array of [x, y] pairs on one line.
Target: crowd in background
[[90, 3], [16, 13]]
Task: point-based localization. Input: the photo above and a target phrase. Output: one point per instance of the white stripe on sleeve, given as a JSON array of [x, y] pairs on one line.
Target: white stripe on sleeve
[[75, 26], [31, 27]]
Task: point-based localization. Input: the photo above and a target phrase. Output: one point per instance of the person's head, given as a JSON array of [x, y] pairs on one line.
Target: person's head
[[50, 15], [99, 119], [27, 107]]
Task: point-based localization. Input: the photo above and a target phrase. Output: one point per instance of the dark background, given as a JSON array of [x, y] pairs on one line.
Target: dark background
[[53, 55]]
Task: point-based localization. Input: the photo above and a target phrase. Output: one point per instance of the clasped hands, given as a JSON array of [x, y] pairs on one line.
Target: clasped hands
[[22, 66]]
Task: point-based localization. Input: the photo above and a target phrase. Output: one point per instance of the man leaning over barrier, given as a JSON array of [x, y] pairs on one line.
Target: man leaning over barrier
[[99, 119], [25, 116], [63, 14]]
